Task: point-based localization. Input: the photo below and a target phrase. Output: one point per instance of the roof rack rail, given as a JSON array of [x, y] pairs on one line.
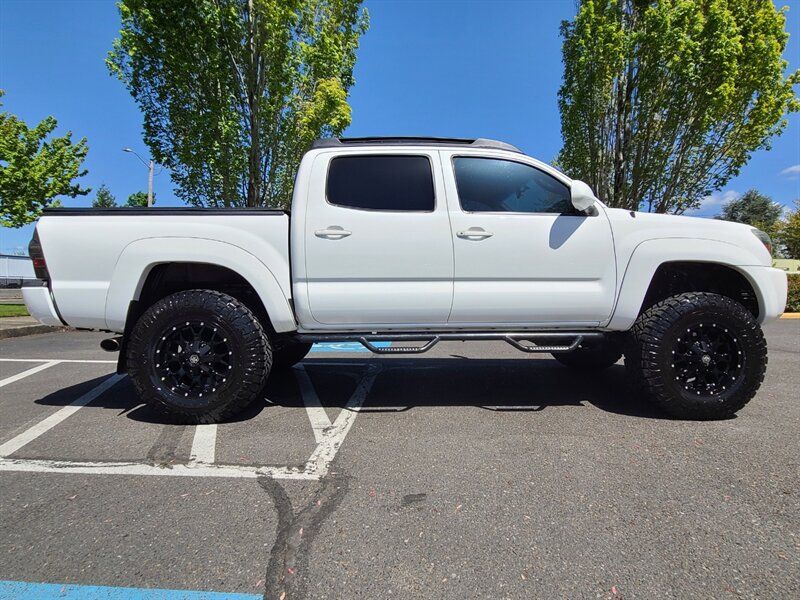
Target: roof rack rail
[[413, 141]]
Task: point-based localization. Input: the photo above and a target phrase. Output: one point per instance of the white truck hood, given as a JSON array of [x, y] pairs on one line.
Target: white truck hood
[[632, 228]]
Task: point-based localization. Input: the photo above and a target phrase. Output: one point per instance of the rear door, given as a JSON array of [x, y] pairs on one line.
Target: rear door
[[378, 248], [522, 254]]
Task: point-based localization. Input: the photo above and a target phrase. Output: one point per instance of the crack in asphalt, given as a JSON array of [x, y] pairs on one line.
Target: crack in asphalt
[[295, 532]]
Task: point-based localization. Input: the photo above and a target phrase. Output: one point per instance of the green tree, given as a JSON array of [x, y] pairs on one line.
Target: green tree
[[35, 170], [234, 91], [663, 101], [787, 235], [104, 199], [139, 199], [753, 208]]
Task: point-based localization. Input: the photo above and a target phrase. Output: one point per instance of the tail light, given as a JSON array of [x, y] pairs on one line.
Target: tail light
[[37, 257]]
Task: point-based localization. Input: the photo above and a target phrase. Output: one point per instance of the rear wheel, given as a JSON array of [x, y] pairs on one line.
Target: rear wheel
[[591, 355], [697, 355], [198, 356], [289, 354]]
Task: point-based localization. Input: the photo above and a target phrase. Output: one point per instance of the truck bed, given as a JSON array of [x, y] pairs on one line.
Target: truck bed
[[98, 259]]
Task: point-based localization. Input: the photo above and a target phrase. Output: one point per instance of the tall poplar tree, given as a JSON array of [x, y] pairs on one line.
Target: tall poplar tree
[[234, 91], [663, 101]]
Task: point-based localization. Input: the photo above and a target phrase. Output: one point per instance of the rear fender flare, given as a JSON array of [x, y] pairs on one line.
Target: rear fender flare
[[138, 259]]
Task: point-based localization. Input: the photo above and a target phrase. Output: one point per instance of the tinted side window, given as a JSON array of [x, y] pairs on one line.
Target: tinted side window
[[381, 183], [496, 185]]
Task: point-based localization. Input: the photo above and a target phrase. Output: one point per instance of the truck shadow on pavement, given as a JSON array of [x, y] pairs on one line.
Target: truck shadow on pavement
[[501, 385], [121, 397]]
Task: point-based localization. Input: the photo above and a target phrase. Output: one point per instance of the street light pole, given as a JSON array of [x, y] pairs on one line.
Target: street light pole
[[150, 184], [150, 164]]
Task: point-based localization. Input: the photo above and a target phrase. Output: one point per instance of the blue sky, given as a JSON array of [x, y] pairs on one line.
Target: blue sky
[[426, 67]]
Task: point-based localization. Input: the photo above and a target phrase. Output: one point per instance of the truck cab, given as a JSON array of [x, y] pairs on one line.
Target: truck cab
[[449, 236]]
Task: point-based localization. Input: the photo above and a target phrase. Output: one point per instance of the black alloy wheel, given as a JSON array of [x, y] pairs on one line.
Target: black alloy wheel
[[707, 359], [193, 358]]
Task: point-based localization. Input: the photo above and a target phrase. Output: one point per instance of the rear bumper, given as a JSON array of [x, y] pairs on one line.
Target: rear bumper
[[40, 302], [771, 286]]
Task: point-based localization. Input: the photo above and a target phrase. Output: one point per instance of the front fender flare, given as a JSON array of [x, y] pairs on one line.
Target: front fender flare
[[648, 256]]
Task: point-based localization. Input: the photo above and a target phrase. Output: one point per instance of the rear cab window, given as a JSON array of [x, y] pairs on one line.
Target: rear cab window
[[381, 182]]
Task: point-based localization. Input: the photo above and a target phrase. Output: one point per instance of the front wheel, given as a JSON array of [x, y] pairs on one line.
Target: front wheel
[[198, 356], [697, 355]]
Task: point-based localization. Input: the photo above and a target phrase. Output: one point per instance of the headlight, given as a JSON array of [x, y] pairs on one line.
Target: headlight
[[764, 239]]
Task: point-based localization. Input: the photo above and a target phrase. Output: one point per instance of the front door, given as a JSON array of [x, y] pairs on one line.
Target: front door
[[377, 240], [523, 256]]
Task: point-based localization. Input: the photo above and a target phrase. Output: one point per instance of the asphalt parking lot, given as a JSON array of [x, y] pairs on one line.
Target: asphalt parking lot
[[471, 472]]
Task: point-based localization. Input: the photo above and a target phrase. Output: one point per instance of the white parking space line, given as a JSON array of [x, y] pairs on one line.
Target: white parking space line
[[47, 424], [25, 374], [26, 465], [334, 436], [316, 413], [203, 453], [204, 445], [60, 360]]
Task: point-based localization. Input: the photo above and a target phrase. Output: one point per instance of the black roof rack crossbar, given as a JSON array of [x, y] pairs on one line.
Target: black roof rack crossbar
[[413, 141]]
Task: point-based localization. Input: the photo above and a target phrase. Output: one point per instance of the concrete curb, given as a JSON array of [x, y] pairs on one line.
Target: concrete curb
[[792, 315], [13, 332]]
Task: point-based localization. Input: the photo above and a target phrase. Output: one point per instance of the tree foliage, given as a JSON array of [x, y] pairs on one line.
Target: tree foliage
[[139, 199], [787, 234], [234, 91], [663, 101], [753, 208], [104, 199], [35, 170]]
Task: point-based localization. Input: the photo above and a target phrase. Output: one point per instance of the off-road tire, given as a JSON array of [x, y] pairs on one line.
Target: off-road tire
[[231, 385], [289, 354], [591, 355], [656, 336]]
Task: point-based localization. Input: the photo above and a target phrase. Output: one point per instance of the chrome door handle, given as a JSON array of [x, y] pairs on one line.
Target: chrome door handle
[[474, 232], [332, 231]]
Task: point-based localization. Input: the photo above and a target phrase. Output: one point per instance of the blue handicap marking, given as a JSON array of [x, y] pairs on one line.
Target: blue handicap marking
[[21, 590], [346, 346]]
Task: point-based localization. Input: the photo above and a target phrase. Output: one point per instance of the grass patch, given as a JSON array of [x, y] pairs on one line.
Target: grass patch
[[13, 310]]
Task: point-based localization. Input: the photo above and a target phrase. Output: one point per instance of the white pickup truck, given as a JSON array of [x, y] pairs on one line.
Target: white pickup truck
[[413, 241]]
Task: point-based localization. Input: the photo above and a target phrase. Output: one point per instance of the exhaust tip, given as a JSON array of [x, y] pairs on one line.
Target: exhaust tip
[[111, 344]]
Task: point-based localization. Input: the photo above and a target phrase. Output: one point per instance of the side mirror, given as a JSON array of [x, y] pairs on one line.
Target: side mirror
[[582, 196]]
